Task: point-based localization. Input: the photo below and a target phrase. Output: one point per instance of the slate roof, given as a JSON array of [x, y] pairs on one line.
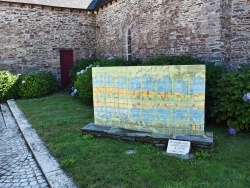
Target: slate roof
[[100, 3], [78, 4]]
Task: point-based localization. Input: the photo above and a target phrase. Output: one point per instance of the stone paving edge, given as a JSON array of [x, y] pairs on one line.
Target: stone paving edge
[[49, 166], [2, 124]]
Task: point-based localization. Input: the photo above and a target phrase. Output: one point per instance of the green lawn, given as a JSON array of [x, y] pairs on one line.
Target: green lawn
[[97, 162]]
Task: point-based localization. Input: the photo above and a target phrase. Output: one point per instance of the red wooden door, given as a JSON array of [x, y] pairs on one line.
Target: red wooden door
[[67, 61]]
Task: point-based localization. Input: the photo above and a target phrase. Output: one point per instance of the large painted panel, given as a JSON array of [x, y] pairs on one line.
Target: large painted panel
[[160, 99]]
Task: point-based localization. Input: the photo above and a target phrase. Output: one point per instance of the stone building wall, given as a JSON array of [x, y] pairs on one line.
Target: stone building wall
[[188, 27], [226, 11], [31, 37], [240, 32]]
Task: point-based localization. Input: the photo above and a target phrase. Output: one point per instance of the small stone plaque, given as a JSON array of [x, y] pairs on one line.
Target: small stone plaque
[[178, 147]]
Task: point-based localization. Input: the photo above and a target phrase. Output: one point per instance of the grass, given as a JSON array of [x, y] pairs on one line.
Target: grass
[[98, 162]]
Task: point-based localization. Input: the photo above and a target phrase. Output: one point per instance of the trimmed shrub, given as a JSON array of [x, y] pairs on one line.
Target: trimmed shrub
[[78, 66], [8, 86], [34, 85], [117, 63], [213, 74], [84, 87], [83, 83], [173, 60], [232, 99]]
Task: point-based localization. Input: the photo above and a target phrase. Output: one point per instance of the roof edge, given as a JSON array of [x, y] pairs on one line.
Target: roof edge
[[103, 4], [24, 3]]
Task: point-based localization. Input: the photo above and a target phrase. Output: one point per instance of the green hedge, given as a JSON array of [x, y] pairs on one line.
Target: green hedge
[[213, 74], [173, 60], [229, 105], [34, 85], [8, 86], [83, 85], [30, 85], [78, 66]]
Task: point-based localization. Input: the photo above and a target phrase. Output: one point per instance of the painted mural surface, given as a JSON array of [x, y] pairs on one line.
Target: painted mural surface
[[160, 99]]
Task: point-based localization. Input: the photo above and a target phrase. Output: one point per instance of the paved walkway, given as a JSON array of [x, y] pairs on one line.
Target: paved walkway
[[18, 168], [24, 158]]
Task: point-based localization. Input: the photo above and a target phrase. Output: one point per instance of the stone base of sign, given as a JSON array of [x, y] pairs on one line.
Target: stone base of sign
[[200, 142]]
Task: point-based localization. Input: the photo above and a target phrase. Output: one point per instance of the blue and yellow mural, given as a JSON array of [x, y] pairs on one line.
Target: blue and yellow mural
[[161, 99]]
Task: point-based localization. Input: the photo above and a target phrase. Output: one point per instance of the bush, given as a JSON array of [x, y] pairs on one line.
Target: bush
[[8, 86], [117, 63], [229, 105], [84, 87], [213, 74], [83, 83], [78, 66], [173, 60], [34, 85]]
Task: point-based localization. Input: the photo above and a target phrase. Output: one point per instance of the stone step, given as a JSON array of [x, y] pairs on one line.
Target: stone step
[[54, 175], [17, 164], [2, 123], [8, 118]]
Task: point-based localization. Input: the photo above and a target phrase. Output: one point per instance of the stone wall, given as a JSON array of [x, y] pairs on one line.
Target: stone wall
[[226, 10], [188, 27], [216, 31], [31, 37], [240, 32]]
